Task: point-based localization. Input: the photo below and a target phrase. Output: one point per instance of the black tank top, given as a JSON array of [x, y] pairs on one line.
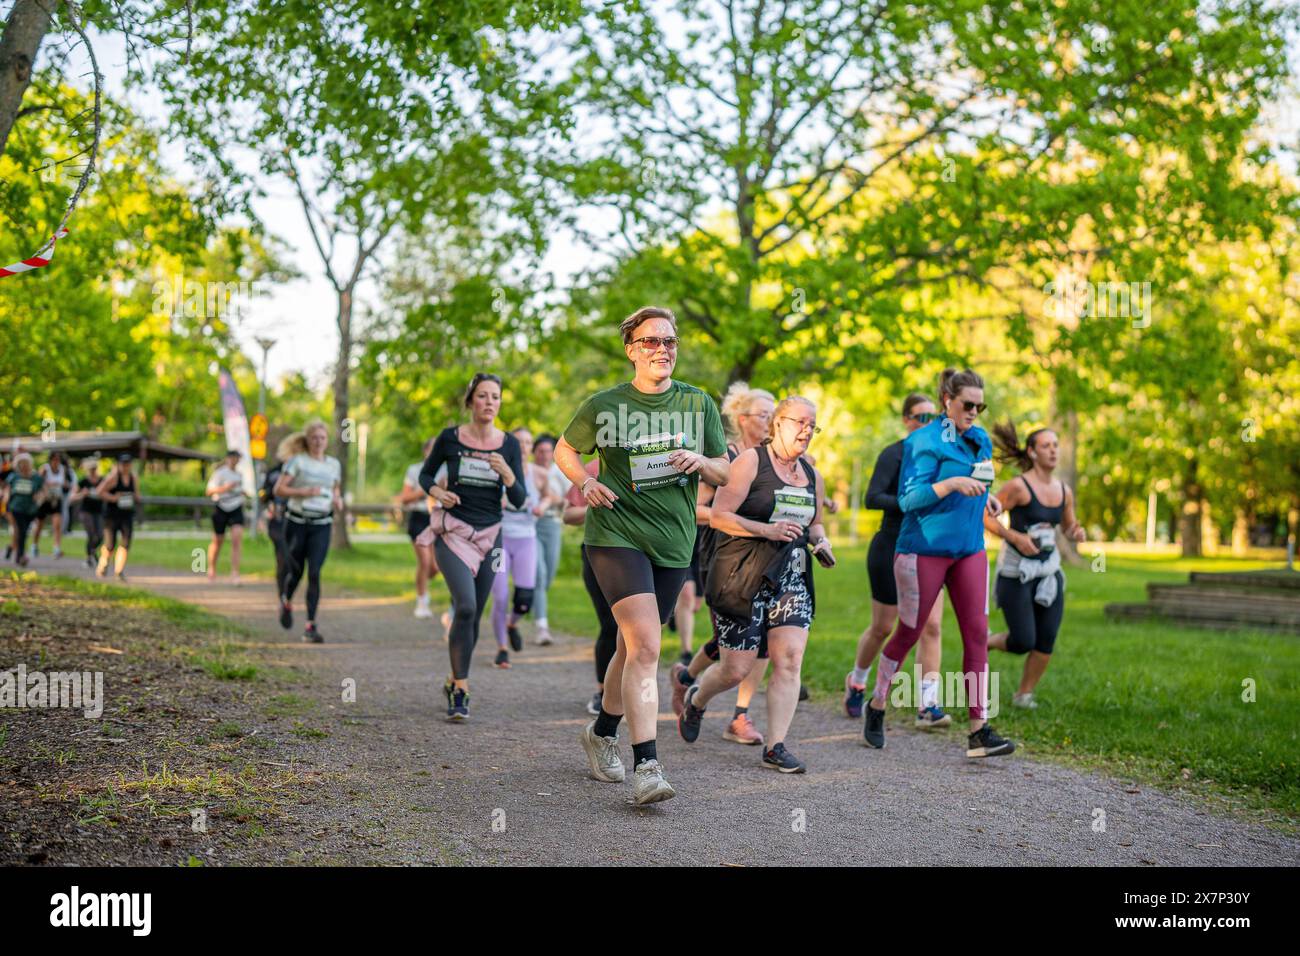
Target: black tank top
[[771, 499], [1023, 517]]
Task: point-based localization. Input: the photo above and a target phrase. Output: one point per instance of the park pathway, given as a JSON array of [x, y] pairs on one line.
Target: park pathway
[[511, 785]]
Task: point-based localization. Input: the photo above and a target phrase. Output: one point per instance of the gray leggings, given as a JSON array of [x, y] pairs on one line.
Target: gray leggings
[[469, 595], [549, 535]]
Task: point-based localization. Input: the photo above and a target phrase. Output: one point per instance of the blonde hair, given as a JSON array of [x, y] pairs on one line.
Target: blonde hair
[[736, 402], [295, 444], [783, 405]]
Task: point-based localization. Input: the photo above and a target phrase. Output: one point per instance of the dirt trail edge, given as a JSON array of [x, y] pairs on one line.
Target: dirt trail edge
[[511, 785]]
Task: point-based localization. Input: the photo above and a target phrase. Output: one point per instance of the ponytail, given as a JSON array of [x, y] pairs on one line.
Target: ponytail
[[1009, 449]]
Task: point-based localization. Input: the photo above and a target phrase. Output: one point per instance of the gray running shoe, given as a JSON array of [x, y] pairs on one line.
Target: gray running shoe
[[1024, 701], [602, 754], [651, 787]]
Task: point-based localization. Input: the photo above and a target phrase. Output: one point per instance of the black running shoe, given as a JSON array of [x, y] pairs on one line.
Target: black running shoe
[[311, 635], [286, 614], [873, 728], [516, 639], [688, 721], [985, 742], [502, 660], [778, 758], [672, 622], [686, 658], [9, 551], [457, 703], [803, 692]]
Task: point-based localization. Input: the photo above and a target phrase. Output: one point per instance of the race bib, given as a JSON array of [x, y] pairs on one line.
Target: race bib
[[476, 471], [25, 486], [794, 504], [983, 471], [126, 502], [648, 461], [1044, 536]]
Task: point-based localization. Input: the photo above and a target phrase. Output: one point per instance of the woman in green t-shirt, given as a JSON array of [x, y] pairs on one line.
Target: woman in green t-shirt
[[23, 494], [656, 438]]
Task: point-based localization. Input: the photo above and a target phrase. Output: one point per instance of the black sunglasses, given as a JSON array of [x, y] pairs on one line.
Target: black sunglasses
[[976, 407]]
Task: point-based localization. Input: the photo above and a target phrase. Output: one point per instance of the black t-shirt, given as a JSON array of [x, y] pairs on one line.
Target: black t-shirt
[[90, 504], [882, 491], [470, 477], [267, 497]]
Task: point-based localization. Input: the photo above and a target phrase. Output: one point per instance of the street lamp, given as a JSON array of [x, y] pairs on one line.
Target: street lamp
[[259, 470]]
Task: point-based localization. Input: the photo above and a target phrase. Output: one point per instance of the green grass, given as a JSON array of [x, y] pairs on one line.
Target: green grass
[[177, 612], [1150, 701]]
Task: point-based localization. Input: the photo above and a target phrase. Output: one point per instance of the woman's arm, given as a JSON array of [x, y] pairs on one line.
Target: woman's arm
[[1070, 525], [517, 488], [883, 475]]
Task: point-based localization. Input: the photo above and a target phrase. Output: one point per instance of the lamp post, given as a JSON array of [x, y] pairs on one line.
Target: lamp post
[[259, 469]]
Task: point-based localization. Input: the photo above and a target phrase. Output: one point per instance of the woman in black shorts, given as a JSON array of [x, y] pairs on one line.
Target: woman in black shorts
[[656, 439], [760, 582], [1030, 585], [119, 491], [882, 495]]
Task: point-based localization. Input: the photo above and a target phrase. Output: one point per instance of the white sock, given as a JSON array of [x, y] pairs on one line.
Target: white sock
[[860, 676], [541, 622], [929, 693]]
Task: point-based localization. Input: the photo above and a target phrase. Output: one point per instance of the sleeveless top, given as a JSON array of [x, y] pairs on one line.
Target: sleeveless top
[[1035, 513], [771, 498]]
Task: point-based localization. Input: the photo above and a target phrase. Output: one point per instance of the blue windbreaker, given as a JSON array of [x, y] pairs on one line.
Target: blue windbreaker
[[949, 527]]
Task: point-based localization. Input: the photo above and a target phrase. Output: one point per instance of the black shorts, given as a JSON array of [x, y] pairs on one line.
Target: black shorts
[[118, 528], [623, 572], [416, 522], [880, 568], [221, 520], [789, 605], [47, 508]]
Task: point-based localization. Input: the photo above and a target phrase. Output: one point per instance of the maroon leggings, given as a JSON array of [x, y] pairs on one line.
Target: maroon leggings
[[919, 578]]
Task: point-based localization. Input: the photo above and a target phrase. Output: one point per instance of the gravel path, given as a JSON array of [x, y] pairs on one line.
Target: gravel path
[[511, 785]]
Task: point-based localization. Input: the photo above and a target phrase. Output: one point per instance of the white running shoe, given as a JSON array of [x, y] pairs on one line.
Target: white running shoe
[[544, 637], [602, 754], [1024, 701], [58, 552], [651, 787], [422, 609]]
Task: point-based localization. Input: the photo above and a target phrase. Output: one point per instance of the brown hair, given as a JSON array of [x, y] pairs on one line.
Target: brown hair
[[478, 379], [627, 328], [912, 400], [1009, 448], [951, 382]]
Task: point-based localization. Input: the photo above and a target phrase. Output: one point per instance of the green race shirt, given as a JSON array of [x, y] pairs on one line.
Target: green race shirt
[[633, 433], [22, 493]]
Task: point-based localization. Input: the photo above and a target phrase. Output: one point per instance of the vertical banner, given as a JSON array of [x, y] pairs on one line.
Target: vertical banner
[[236, 425]]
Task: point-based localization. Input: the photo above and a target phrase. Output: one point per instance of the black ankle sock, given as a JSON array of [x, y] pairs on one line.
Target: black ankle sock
[[685, 678], [643, 752], [741, 710], [606, 724]]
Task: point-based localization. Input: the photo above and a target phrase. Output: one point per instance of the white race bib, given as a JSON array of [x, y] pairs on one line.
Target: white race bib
[[476, 471], [983, 471], [794, 504], [126, 501], [648, 465]]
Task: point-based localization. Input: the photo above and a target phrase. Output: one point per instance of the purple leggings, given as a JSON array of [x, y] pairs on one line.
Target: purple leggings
[[518, 561], [919, 578]]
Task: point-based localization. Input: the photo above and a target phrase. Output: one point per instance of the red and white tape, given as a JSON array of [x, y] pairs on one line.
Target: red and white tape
[[41, 258]]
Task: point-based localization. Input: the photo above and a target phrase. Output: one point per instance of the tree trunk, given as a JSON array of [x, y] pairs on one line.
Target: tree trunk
[[28, 22], [1189, 531], [342, 426]]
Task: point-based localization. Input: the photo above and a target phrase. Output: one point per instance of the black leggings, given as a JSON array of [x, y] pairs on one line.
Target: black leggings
[[119, 526], [21, 523], [607, 639], [93, 522], [623, 572], [469, 595], [306, 546], [1030, 626], [275, 531]]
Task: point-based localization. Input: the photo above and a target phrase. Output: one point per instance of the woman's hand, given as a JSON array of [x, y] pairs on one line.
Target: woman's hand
[[539, 510], [965, 485], [445, 498], [823, 548], [598, 495], [498, 464], [687, 462], [1023, 543], [992, 507], [1078, 534], [782, 531]]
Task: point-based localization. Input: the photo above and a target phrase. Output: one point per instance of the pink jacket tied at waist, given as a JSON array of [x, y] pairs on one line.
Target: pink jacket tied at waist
[[468, 543]]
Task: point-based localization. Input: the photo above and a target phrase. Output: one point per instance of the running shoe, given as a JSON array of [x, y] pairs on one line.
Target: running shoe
[[234, 578], [121, 576], [422, 609], [672, 622], [932, 718], [675, 674], [516, 639], [1024, 701], [651, 787], [741, 730], [457, 702], [9, 551], [36, 552], [311, 635], [853, 696], [778, 758], [58, 552], [286, 613], [803, 692], [502, 660], [593, 705], [90, 562], [602, 755], [686, 658], [873, 728], [543, 637], [985, 742], [688, 721]]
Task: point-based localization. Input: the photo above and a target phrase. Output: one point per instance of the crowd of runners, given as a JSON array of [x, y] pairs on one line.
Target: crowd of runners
[[683, 503]]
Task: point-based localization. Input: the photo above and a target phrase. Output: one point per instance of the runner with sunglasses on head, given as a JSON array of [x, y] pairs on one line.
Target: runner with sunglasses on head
[[882, 495], [413, 498], [760, 583], [943, 493], [1030, 585], [656, 439], [481, 462], [747, 419]]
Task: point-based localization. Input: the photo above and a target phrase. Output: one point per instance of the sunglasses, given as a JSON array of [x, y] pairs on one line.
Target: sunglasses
[[923, 417], [976, 407], [651, 343]]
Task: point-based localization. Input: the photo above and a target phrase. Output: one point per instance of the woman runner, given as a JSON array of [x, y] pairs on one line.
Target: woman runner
[[1030, 585], [481, 461], [882, 494], [275, 508], [23, 493], [226, 489], [119, 491], [518, 557], [550, 526], [946, 472], [310, 482], [90, 508], [58, 479], [656, 439], [412, 497], [760, 582]]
